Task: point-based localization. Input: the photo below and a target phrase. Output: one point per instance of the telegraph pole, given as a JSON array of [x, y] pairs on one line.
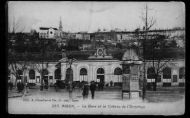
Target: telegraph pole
[[144, 66], [42, 86]]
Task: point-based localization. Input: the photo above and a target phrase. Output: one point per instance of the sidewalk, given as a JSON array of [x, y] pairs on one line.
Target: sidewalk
[[14, 93]]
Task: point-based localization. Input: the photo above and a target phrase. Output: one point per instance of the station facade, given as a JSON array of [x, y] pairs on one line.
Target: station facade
[[102, 67]]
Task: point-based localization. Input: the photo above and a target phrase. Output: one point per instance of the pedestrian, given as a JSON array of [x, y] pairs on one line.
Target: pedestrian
[[92, 88], [111, 83], [85, 91]]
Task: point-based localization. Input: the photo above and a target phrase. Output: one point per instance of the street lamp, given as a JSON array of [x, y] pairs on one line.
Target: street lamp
[[70, 62]]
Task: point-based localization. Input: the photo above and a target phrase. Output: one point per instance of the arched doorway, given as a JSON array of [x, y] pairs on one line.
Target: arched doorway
[[45, 76], [167, 76], [83, 74], [118, 73], [150, 77], [58, 74], [69, 75], [100, 75], [31, 76], [150, 73]]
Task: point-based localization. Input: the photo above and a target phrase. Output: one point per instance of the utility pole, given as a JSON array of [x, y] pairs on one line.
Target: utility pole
[[41, 87], [144, 66]]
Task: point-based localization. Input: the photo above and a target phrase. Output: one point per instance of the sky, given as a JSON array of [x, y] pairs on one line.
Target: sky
[[90, 16]]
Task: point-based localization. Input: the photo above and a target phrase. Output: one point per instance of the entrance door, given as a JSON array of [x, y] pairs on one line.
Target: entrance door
[[100, 78], [100, 75], [167, 77]]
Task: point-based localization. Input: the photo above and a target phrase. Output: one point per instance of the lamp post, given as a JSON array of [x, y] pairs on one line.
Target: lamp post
[[144, 58], [70, 62]]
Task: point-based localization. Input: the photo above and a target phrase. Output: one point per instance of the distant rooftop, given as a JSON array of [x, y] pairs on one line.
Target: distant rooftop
[[46, 28]]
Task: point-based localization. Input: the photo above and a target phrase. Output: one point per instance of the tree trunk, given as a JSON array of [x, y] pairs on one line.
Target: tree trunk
[[41, 81], [155, 83]]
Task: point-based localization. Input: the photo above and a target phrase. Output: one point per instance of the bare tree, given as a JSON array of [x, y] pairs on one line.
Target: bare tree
[[16, 26], [17, 62], [40, 66], [148, 23], [157, 56], [157, 59]]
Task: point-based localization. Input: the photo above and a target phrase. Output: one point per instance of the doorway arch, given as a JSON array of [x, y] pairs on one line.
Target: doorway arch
[[100, 75], [57, 74], [83, 74]]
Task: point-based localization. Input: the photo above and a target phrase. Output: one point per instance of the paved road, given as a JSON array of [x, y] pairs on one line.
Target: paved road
[[165, 94], [49, 101]]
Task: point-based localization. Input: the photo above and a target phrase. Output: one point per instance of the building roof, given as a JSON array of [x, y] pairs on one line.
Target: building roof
[[46, 28]]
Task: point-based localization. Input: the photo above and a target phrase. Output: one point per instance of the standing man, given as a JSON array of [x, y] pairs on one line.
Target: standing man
[[92, 88], [85, 91]]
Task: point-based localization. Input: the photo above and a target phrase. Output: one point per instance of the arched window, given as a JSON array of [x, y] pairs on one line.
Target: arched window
[[100, 75], [150, 73], [83, 74], [83, 71], [182, 73], [58, 74], [118, 71], [100, 71], [167, 73], [32, 74]]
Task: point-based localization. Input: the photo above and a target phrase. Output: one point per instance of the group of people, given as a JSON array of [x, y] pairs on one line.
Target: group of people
[[86, 88]]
